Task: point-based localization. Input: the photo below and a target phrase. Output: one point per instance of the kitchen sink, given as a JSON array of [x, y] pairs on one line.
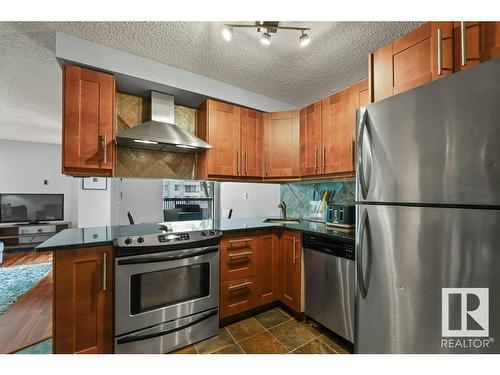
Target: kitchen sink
[[282, 221]]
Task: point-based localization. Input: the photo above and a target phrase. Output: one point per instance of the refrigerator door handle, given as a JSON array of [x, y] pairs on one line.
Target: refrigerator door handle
[[359, 258], [361, 173]]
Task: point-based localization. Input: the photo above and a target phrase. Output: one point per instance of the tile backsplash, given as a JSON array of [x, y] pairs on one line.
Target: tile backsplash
[[303, 198]]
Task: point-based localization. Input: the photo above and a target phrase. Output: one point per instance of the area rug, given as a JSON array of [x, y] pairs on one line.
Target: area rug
[[17, 280], [44, 347]]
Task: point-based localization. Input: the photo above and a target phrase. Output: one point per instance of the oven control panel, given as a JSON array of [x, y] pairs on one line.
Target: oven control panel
[[173, 237], [166, 239]]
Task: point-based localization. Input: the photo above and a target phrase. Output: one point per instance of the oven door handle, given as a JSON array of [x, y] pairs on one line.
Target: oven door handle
[[137, 337], [167, 258]]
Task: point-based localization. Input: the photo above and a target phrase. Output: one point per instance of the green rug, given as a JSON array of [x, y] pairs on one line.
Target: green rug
[[17, 280], [44, 347]]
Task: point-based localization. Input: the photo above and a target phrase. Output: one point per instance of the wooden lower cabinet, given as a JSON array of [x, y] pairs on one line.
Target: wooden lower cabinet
[[237, 296], [290, 288], [256, 269], [83, 300], [267, 253]]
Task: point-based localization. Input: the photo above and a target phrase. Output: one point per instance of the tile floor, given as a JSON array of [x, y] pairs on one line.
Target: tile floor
[[271, 332]]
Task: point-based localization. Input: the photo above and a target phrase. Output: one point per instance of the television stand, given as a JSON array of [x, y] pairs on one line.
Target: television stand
[[21, 236]]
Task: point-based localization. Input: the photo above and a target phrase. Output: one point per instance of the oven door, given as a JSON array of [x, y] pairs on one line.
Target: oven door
[[156, 288]]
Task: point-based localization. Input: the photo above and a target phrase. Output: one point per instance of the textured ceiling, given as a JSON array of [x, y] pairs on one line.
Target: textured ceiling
[[30, 93]]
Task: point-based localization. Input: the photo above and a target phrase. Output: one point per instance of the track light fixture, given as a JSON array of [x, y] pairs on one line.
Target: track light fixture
[[265, 39], [304, 39], [228, 33], [266, 27]]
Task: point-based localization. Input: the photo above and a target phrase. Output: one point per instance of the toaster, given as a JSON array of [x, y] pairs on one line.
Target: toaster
[[339, 215]]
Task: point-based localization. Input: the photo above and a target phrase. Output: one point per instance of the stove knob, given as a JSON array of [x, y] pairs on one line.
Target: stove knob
[[211, 233], [203, 234], [128, 241], [140, 240]]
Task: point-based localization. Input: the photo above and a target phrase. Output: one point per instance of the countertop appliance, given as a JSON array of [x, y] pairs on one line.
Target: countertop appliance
[[166, 290], [340, 215], [428, 217], [330, 283]]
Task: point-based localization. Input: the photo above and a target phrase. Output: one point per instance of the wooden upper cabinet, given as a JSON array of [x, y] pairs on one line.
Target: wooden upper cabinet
[[251, 143], [338, 129], [219, 125], [290, 269], [281, 144], [418, 57], [88, 146], [480, 39], [83, 300], [311, 148]]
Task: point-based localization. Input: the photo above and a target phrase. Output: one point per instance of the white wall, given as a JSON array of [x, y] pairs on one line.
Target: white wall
[[142, 197], [25, 165], [94, 207], [261, 199]]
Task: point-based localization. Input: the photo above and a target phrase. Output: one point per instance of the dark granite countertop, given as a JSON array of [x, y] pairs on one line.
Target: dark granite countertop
[[85, 237]]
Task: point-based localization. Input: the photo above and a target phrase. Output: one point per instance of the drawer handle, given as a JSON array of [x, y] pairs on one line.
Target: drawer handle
[[242, 254], [232, 288], [241, 240], [104, 271]]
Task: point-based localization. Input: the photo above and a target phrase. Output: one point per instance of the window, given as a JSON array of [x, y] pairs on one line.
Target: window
[[188, 200]]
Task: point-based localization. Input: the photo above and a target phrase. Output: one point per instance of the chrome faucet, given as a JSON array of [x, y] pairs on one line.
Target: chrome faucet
[[282, 205]]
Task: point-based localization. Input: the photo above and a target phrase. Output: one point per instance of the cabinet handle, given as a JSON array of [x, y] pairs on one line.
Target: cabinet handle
[[246, 163], [104, 271], [324, 159], [294, 249], [315, 159], [240, 240], [242, 254], [463, 40], [266, 163], [353, 153], [237, 162], [239, 286], [440, 50]]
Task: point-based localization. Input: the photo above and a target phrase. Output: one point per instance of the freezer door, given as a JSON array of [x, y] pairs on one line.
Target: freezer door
[[436, 144], [405, 257]]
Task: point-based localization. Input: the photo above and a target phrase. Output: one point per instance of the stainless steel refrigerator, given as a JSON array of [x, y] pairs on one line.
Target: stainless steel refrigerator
[[428, 218]]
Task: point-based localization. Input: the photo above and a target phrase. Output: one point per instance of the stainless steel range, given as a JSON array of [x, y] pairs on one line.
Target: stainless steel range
[[167, 290]]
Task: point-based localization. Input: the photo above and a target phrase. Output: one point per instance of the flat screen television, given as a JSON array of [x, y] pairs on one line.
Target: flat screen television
[[33, 208]]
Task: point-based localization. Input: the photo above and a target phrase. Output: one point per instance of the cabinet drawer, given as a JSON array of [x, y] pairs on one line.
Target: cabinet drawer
[[237, 296], [237, 264], [233, 242]]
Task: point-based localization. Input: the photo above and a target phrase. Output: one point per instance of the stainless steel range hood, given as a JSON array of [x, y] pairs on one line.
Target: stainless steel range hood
[[161, 133]]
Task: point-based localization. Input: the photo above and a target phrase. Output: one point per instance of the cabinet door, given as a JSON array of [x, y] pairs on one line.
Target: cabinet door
[[251, 143], [290, 269], [311, 148], [481, 41], [418, 57], [83, 300], [267, 274], [338, 133], [224, 158], [281, 144], [88, 122]]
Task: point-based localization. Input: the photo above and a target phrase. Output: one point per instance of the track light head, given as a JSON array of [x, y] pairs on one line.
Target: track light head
[[265, 39], [228, 33], [304, 39]]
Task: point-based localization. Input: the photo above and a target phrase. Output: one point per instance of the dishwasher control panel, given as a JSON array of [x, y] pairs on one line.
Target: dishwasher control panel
[[329, 245]]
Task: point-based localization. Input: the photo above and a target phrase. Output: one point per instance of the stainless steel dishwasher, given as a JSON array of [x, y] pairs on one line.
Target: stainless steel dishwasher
[[330, 282]]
